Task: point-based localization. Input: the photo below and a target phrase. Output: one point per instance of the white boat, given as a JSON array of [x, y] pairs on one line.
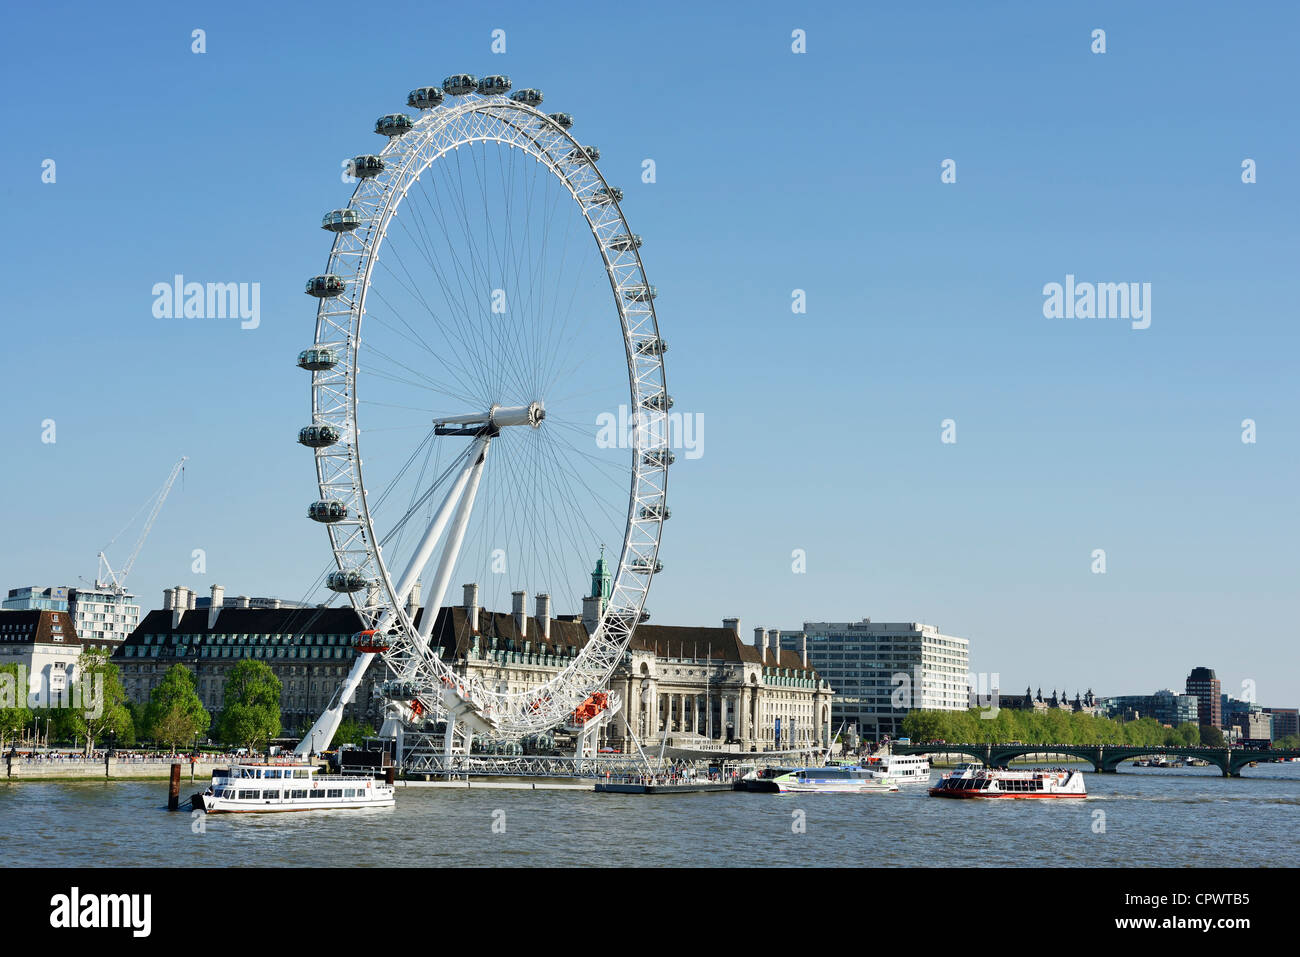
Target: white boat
[[981, 782], [903, 768], [260, 788], [835, 779]]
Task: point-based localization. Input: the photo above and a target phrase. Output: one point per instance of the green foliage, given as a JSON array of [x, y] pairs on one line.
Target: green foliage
[[102, 710], [351, 732], [250, 715], [175, 715], [14, 713], [1054, 726], [1290, 742], [1212, 736]]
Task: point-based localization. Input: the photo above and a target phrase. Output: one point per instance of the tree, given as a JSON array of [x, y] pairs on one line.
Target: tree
[[175, 714], [14, 713], [102, 709], [1189, 734], [250, 714], [1212, 736], [350, 732]]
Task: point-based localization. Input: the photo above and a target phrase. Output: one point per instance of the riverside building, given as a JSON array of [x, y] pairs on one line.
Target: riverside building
[[102, 618], [43, 643], [689, 687], [866, 662], [1166, 706], [308, 649], [1203, 684]]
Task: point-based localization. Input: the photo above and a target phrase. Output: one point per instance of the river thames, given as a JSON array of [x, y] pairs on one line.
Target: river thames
[[1140, 817]]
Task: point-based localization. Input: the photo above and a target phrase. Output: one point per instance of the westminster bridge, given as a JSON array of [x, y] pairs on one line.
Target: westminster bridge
[[1103, 757]]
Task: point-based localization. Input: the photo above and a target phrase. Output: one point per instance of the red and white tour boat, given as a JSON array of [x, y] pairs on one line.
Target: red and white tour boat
[[976, 781]]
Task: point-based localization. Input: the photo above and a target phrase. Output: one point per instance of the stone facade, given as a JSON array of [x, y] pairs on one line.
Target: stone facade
[[691, 686]]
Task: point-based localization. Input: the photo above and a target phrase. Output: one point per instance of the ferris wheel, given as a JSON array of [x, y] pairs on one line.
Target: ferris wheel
[[502, 420]]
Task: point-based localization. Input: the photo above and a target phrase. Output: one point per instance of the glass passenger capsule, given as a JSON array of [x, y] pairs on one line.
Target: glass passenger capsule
[[325, 287], [370, 642], [365, 166], [397, 689], [496, 83], [660, 402], [585, 154], [562, 120], [625, 242], [529, 97], [458, 84], [645, 568], [318, 436], [641, 293], [651, 347], [341, 220], [424, 97], [658, 458], [317, 360], [345, 582], [394, 124], [606, 195], [327, 511], [657, 510]]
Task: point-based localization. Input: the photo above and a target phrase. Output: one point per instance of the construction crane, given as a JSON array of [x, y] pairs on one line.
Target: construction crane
[[116, 582]]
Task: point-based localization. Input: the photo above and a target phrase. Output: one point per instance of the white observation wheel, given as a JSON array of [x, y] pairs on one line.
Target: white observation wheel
[[506, 314]]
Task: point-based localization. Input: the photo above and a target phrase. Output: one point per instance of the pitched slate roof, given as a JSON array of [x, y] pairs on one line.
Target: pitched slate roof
[[33, 625]]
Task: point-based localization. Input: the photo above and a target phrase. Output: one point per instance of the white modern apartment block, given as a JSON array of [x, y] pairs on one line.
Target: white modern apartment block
[[103, 619], [882, 670]]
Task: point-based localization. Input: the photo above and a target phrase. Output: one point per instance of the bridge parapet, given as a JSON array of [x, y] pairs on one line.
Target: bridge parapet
[[1104, 758]]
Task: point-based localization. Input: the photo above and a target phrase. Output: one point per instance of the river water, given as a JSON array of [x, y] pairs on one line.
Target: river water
[[1149, 817]]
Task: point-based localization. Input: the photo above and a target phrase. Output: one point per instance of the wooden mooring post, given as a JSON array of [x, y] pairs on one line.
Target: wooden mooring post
[[174, 788]]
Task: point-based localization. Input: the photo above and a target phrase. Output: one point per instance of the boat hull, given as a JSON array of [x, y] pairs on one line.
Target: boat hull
[[835, 789], [985, 796], [228, 806]]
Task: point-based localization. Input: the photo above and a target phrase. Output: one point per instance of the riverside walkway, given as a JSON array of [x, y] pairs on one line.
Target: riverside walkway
[[1105, 758]]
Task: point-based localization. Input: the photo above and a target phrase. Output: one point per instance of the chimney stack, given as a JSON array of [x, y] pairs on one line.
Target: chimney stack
[[544, 615], [241, 601], [214, 607], [179, 601], [169, 599], [774, 642], [191, 597], [590, 613], [803, 649], [520, 613], [760, 638], [471, 606], [733, 624]]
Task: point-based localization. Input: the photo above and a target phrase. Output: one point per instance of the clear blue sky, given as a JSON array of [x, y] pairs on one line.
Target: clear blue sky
[[775, 171]]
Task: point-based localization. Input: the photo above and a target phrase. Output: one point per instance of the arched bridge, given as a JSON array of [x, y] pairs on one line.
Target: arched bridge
[[1103, 757]]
